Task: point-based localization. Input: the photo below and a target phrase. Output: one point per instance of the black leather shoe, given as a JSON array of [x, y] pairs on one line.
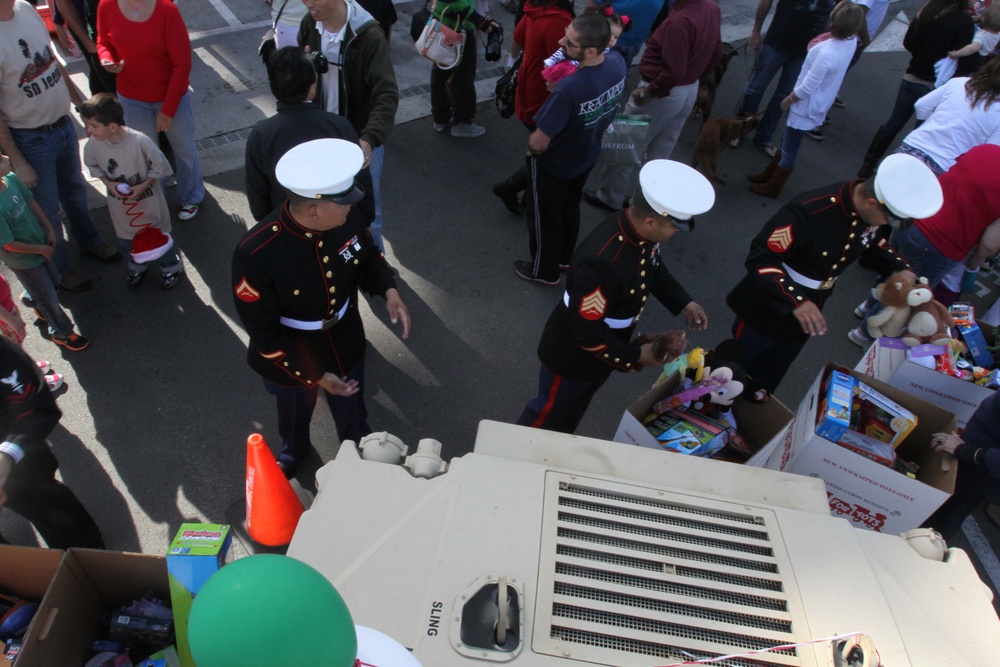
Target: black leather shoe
[[288, 469]]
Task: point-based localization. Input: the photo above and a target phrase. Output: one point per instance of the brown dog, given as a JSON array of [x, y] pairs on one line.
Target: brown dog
[[709, 84], [716, 135]]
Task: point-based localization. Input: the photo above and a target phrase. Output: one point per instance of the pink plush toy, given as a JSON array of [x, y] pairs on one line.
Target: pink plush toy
[[559, 71]]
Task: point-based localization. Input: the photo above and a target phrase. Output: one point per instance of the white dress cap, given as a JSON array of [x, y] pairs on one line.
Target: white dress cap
[[675, 189], [908, 187], [321, 167]]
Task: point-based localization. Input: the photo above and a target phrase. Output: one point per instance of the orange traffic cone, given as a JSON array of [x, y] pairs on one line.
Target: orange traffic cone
[[273, 509]]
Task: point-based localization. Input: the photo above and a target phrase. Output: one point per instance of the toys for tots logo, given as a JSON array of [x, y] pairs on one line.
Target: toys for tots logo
[[856, 513]]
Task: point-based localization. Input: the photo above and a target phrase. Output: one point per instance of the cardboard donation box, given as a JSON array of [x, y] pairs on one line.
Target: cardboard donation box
[[886, 361], [88, 585], [867, 493], [762, 425], [25, 575]]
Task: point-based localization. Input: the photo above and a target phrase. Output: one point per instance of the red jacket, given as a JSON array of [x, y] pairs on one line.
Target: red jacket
[[971, 203], [157, 53], [685, 47], [539, 33]]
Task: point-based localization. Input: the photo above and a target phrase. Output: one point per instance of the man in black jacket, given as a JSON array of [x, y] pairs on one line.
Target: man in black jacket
[[28, 486], [357, 80], [299, 119]]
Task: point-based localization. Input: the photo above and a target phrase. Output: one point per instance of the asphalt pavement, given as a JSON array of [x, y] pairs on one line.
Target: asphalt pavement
[[158, 409]]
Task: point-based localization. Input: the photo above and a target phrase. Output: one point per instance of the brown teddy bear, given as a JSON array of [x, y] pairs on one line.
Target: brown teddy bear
[[929, 318], [893, 294]]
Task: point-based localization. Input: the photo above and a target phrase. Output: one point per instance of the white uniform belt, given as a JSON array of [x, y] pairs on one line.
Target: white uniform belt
[[315, 325], [610, 321], [808, 282]]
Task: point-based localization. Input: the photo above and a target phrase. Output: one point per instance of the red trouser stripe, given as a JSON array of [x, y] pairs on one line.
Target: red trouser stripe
[[739, 329], [544, 414]]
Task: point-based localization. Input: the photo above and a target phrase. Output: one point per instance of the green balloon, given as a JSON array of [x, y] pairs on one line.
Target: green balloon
[[269, 610]]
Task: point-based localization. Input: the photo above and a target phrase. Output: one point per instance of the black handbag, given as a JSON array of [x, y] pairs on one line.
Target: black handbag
[[418, 22], [506, 89]]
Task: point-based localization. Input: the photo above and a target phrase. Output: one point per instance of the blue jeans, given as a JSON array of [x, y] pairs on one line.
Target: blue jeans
[[375, 168], [169, 262], [768, 64], [627, 52], [908, 94], [295, 409], [40, 284], [924, 259], [141, 116], [54, 154], [791, 141]]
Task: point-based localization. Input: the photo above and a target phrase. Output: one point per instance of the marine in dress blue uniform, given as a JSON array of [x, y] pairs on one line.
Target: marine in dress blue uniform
[[613, 273], [28, 484], [794, 261], [295, 278]]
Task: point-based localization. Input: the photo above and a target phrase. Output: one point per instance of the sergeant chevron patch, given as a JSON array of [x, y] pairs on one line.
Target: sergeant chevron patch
[[592, 306], [780, 239]]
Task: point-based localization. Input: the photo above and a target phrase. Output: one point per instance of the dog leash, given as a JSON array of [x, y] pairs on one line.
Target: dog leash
[[743, 91]]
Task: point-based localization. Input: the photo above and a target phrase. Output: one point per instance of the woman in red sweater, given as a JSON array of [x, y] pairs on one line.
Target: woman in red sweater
[[536, 37], [145, 42]]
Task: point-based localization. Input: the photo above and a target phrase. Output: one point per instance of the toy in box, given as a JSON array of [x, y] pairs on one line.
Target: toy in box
[[973, 338], [962, 313], [688, 432], [197, 552], [879, 452], [850, 405], [990, 380], [834, 414]]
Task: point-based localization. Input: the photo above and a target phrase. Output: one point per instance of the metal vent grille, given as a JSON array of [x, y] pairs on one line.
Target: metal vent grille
[[627, 575]]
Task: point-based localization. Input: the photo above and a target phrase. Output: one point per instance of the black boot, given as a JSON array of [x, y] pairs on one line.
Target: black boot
[[880, 143], [509, 189]]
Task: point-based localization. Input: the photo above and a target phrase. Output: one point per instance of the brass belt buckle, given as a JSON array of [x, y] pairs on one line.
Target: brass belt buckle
[[327, 324], [827, 284]]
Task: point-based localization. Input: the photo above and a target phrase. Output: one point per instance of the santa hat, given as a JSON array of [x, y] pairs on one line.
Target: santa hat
[[149, 244]]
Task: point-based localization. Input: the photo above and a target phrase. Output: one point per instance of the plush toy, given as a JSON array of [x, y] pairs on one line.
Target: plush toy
[[718, 402], [559, 71], [667, 345], [894, 295], [717, 387], [929, 318], [691, 365]]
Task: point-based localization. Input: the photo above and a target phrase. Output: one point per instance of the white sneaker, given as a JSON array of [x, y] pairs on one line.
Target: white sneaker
[[467, 130], [862, 310], [188, 211], [858, 338], [54, 380], [44, 366]]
